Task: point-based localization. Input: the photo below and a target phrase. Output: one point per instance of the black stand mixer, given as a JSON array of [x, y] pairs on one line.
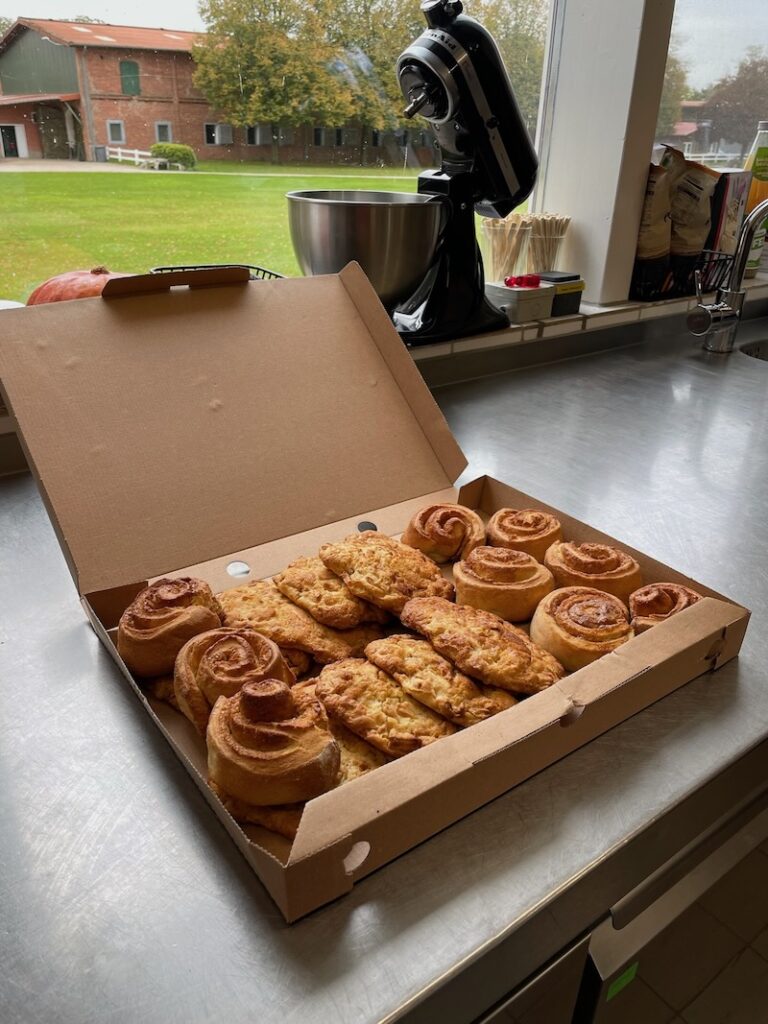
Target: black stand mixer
[[453, 76]]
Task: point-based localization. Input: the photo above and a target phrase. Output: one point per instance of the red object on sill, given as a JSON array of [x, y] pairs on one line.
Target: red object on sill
[[523, 281]]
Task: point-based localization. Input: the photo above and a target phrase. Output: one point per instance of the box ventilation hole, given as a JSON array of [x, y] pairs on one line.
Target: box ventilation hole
[[356, 857], [238, 569], [365, 525]]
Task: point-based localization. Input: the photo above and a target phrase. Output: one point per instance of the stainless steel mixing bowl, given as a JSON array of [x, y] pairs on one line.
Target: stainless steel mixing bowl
[[392, 235]]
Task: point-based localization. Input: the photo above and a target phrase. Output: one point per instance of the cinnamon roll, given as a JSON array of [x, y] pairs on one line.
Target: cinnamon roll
[[445, 532], [218, 663], [508, 583], [528, 529], [594, 565], [356, 758], [159, 621], [578, 625], [265, 750], [655, 602]]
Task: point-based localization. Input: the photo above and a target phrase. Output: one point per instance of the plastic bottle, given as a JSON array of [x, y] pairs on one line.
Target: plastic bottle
[[757, 162]]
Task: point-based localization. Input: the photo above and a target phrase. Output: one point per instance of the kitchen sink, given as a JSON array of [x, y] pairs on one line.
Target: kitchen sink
[[756, 349]]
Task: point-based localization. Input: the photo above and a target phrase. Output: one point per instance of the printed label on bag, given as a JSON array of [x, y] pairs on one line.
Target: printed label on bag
[[760, 164]]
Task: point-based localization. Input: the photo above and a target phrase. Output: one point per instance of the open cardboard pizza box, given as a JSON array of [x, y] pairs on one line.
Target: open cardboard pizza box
[[175, 430]]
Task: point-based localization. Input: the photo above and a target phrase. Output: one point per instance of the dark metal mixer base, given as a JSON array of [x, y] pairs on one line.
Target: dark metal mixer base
[[450, 302], [453, 76]]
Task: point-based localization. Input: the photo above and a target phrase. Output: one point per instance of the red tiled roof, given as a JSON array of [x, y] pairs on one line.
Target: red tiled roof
[[38, 97], [125, 37], [683, 128]]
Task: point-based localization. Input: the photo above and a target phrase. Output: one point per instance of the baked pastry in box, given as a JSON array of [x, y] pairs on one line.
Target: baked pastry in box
[[201, 452]]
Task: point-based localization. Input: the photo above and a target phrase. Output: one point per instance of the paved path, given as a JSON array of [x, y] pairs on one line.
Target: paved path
[[68, 165]]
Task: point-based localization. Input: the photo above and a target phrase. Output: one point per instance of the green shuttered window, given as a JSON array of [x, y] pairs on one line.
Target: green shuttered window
[[129, 78]]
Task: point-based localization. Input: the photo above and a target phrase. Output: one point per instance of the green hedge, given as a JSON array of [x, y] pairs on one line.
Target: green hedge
[[174, 153]]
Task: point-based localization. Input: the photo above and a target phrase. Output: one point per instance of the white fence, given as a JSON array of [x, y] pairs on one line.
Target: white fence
[[140, 158], [131, 156], [714, 158]]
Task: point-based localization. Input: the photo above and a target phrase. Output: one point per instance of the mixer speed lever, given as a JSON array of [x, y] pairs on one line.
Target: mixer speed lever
[[417, 102]]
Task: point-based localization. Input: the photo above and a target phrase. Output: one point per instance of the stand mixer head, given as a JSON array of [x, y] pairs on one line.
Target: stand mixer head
[[454, 77]]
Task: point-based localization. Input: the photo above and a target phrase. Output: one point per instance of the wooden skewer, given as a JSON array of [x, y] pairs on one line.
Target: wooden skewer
[[535, 235]]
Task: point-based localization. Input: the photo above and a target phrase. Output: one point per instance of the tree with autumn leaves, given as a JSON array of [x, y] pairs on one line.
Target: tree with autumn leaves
[[740, 100], [326, 62], [254, 64]]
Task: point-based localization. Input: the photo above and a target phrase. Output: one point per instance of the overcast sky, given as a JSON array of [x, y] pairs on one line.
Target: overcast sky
[[711, 35]]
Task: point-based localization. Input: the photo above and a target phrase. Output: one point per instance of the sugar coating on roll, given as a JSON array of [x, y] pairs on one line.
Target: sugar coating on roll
[[220, 662], [531, 530], [265, 749], [594, 565], [656, 602], [159, 621], [578, 625], [508, 583], [445, 532]]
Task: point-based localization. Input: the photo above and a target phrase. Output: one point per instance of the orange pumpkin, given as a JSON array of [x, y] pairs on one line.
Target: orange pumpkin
[[75, 284]]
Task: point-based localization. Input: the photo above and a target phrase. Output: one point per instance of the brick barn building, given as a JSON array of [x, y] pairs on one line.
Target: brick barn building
[[69, 90]]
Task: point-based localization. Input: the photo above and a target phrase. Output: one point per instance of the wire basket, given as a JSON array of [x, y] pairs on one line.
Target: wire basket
[[257, 273], [673, 277]]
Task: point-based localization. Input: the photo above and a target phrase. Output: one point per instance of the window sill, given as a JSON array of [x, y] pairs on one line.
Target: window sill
[[589, 318]]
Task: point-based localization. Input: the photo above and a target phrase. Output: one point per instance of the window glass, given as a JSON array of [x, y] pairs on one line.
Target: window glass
[[716, 82], [129, 78], [355, 138], [116, 131], [224, 135]]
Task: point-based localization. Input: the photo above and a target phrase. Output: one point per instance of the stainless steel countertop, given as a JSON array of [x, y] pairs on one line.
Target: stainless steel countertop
[[122, 898]]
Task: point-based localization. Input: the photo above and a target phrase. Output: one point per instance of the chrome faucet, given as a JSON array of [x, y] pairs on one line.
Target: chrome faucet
[[717, 322]]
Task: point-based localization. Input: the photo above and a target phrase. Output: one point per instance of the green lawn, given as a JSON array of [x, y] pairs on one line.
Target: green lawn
[[132, 222]]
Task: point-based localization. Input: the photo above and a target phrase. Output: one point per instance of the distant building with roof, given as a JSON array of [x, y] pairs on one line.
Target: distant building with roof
[[67, 88], [697, 136], [70, 90]]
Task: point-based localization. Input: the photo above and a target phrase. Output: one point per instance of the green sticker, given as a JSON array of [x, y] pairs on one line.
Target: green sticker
[[622, 981]]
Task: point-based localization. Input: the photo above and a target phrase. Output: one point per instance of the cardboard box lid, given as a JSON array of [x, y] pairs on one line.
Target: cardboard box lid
[[172, 427]]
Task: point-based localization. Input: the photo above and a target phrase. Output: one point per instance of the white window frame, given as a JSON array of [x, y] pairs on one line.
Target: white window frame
[[596, 126], [166, 124], [21, 140], [223, 133], [113, 123]]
